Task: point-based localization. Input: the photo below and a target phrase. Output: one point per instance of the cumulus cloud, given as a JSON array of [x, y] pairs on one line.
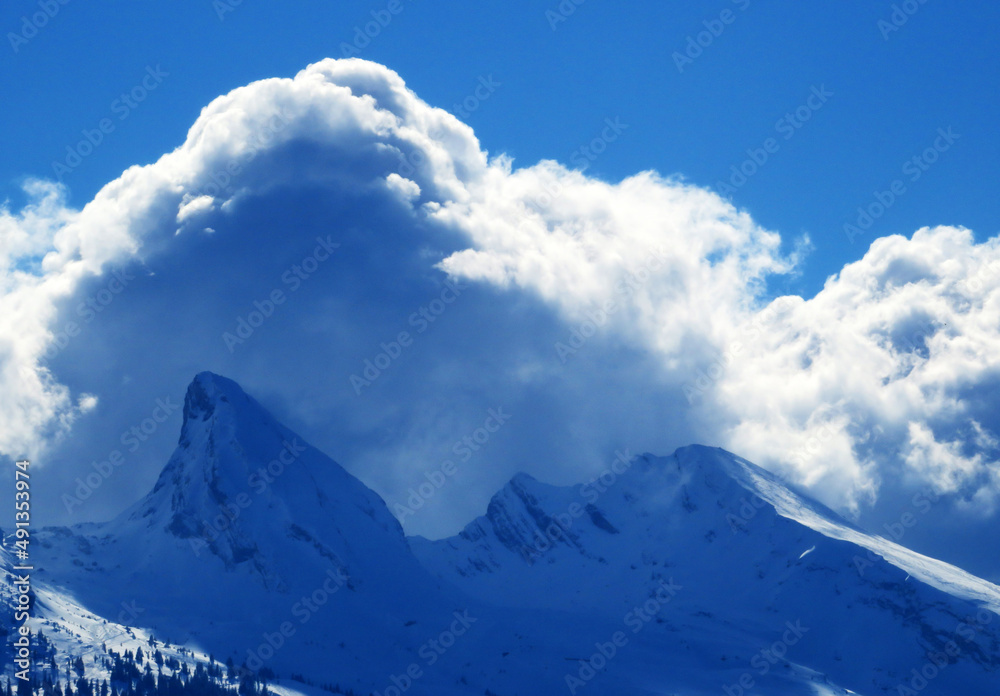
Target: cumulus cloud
[[889, 370], [47, 250], [881, 372], [40, 262], [574, 240], [640, 308]]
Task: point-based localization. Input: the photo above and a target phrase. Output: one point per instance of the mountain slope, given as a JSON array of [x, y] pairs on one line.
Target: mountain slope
[[751, 557], [252, 538], [691, 574], [62, 629]]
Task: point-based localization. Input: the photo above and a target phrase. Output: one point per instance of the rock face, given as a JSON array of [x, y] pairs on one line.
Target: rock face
[[688, 574]]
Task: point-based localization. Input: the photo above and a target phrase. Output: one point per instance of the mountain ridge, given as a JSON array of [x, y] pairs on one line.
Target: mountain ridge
[[544, 576]]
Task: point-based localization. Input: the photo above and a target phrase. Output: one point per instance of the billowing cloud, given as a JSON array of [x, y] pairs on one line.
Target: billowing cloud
[[889, 370], [39, 264], [48, 250], [661, 250], [306, 224]]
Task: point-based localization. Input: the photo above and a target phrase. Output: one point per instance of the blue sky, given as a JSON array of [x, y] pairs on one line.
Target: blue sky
[[940, 69], [837, 101]]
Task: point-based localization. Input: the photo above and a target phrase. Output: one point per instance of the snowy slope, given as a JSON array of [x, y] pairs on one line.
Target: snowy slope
[[248, 529], [72, 631], [687, 575], [749, 555]]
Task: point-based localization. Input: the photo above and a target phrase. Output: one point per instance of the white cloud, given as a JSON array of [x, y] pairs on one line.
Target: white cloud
[[891, 368], [402, 187], [39, 264], [360, 111], [940, 462], [894, 349], [573, 240], [832, 391], [192, 206]]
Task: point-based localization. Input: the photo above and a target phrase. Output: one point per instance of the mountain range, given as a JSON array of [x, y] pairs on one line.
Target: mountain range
[[694, 573]]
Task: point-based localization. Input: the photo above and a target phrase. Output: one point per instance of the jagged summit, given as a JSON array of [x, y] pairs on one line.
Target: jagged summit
[[700, 506], [524, 511], [216, 403], [522, 478], [208, 389], [236, 460]]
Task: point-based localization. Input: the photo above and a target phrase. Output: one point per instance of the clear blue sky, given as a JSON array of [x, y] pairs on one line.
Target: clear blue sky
[[890, 95]]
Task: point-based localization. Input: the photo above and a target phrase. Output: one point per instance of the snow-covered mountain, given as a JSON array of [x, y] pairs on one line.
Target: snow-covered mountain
[[750, 559], [251, 543], [697, 573]]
